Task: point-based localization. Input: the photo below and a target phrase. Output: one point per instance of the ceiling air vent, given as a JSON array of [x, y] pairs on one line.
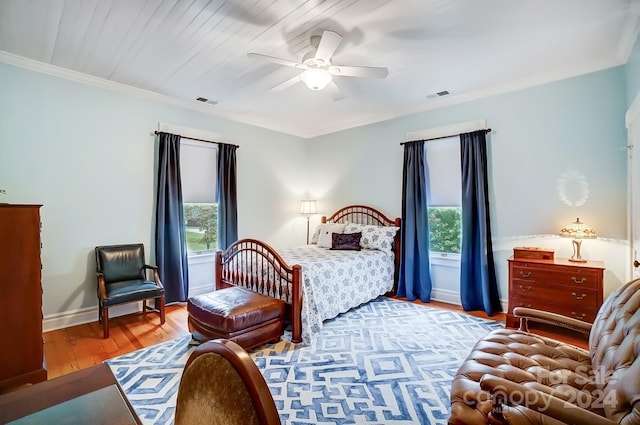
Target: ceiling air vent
[[439, 94], [205, 100]]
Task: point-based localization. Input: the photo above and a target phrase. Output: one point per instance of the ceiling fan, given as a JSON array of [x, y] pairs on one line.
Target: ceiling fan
[[318, 69]]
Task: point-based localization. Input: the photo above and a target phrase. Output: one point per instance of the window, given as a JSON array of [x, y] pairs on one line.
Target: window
[[198, 162], [201, 226], [445, 195], [445, 229]]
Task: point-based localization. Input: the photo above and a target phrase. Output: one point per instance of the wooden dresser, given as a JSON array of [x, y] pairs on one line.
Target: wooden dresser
[[21, 355], [559, 286]]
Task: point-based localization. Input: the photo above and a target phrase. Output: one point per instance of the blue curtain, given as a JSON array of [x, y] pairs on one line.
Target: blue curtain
[[414, 279], [227, 196], [171, 244], [478, 284]]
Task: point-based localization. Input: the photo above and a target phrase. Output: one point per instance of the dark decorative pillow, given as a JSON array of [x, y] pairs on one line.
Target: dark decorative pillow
[[346, 241]]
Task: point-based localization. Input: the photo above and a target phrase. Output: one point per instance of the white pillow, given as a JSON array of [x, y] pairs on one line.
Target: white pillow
[[326, 229], [374, 237], [316, 234]]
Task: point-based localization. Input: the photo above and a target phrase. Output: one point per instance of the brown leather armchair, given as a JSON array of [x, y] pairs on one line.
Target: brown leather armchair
[[122, 278], [516, 377]]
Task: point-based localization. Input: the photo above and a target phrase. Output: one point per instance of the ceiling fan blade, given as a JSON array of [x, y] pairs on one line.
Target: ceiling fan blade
[[328, 44], [286, 84], [359, 71], [335, 92], [279, 61]]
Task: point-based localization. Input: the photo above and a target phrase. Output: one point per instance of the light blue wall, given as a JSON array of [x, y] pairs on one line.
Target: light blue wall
[[88, 155], [538, 134]]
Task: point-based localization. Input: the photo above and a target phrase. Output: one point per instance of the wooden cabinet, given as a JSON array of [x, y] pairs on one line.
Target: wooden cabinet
[[559, 286], [21, 352]]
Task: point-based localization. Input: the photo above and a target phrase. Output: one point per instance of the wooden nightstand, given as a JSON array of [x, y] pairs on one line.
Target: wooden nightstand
[[559, 286]]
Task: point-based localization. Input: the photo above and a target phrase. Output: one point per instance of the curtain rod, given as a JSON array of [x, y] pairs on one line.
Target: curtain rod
[[199, 140], [486, 130]]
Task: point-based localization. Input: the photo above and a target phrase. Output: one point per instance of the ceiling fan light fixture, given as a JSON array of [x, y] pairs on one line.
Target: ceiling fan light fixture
[[316, 79]]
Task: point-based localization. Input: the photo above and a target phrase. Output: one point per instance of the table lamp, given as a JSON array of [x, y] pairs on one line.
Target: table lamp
[[308, 208], [577, 230]]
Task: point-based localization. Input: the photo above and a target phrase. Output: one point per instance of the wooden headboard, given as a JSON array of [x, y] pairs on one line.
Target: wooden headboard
[[361, 214]]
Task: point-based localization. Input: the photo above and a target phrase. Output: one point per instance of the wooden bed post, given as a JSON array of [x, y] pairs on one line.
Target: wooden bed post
[[219, 269], [397, 253], [296, 305]]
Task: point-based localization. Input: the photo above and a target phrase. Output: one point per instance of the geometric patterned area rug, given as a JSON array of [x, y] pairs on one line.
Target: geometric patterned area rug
[[385, 362]]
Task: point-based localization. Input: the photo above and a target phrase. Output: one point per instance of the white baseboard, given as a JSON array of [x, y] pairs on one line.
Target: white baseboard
[[201, 289], [453, 297], [445, 296], [66, 319]]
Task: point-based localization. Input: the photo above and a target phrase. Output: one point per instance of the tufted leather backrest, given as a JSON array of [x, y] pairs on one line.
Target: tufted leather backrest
[[614, 345], [120, 262], [604, 380]]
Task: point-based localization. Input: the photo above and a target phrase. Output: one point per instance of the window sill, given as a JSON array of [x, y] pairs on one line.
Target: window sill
[[444, 259], [201, 257]]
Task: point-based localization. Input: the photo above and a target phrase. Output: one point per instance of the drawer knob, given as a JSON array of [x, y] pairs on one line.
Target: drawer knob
[[575, 279], [525, 288], [579, 316], [525, 275], [579, 297]]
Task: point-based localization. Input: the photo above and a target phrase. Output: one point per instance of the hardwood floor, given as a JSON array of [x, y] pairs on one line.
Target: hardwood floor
[[79, 347], [567, 336]]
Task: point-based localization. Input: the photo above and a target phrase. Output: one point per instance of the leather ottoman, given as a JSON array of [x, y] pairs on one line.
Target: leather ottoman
[[240, 315]]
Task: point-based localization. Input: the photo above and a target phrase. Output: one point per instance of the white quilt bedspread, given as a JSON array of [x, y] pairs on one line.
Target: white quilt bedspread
[[335, 281]]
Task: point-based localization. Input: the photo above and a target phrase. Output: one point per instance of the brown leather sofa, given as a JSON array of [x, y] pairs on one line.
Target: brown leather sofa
[[516, 377]]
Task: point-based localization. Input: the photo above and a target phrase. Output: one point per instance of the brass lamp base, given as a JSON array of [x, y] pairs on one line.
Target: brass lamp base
[[576, 257]]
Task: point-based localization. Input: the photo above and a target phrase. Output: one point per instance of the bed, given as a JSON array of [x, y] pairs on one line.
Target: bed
[[317, 283]]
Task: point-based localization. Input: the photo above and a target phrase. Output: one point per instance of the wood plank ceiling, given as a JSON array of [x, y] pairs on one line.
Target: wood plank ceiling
[[187, 49]]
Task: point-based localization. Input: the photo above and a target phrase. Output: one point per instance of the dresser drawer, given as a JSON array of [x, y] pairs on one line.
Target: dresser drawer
[[559, 286], [564, 294], [580, 312], [586, 278]]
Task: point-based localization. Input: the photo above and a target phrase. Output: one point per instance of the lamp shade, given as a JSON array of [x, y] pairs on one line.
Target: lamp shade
[[578, 230], [316, 79], [308, 207]]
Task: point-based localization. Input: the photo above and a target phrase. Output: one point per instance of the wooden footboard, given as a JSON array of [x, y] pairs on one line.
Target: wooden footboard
[[256, 266]]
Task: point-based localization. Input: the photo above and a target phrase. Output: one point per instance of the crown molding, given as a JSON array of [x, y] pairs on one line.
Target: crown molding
[[451, 100], [629, 32], [79, 77], [244, 118]]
